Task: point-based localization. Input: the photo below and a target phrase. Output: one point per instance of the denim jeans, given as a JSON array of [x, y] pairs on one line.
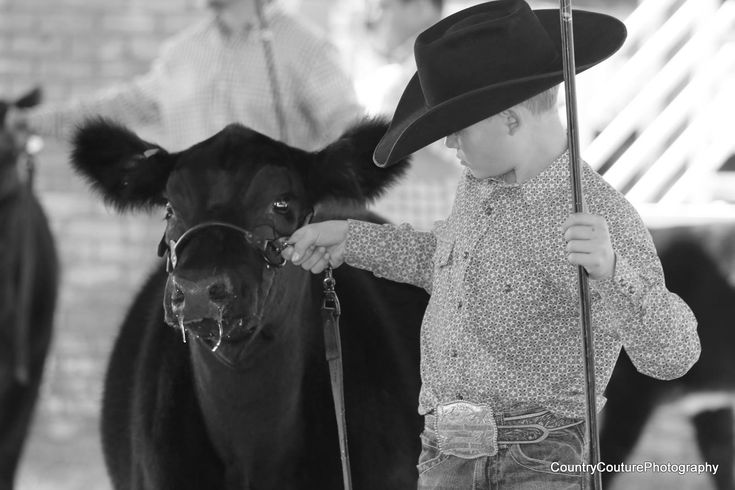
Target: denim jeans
[[515, 466]]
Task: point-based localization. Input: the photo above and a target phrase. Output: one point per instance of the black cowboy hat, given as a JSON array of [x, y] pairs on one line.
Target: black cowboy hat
[[483, 60]]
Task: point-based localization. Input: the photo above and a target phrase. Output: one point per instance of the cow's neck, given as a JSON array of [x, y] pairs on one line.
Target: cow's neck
[[256, 414]]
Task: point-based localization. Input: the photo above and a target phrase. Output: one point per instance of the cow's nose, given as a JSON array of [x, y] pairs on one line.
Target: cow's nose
[[219, 292], [202, 298]]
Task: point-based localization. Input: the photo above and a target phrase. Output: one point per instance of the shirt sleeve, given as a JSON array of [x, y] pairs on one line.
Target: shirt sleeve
[[328, 96], [656, 327], [132, 103], [398, 253]]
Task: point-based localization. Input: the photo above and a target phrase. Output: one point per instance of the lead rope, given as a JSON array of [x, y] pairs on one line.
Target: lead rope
[[266, 40], [333, 350]]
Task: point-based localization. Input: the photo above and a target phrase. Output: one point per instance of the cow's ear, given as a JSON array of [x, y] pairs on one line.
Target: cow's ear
[[129, 172], [345, 168], [31, 99]]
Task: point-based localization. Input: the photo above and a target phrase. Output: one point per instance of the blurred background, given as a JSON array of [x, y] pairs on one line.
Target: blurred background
[[657, 119]]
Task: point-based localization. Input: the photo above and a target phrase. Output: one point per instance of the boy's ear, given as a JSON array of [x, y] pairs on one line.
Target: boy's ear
[[345, 168], [512, 120], [129, 172]]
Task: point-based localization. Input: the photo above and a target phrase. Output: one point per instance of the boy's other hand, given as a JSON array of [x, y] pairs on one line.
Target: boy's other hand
[[589, 244], [315, 246]]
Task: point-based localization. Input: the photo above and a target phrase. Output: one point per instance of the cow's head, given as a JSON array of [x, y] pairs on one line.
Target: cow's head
[[228, 200]]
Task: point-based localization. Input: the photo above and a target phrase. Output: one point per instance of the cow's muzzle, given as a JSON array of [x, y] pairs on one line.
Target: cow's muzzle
[[210, 308]]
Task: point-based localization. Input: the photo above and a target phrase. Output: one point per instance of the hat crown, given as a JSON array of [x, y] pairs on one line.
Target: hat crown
[[487, 44]]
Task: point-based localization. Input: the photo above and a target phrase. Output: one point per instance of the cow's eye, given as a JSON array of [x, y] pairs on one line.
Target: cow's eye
[[169, 212], [280, 206]]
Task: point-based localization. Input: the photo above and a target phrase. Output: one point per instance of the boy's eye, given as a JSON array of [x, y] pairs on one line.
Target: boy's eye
[[280, 206], [169, 212]]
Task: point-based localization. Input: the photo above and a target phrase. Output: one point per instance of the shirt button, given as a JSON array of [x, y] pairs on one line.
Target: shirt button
[[459, 304], [508, 288], [459, 396], [466, 255], [488, 210], [453, 353]]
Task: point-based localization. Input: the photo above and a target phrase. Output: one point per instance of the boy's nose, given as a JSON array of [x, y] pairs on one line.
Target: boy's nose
[[451, 141]]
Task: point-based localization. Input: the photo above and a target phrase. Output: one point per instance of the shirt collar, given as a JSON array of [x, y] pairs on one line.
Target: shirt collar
[[553, 177], [271, 11]]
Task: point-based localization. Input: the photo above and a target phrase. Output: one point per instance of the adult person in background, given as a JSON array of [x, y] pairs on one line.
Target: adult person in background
[[381, 64], [217, 72]]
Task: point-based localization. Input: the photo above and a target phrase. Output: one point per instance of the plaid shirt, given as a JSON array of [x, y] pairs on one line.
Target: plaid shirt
[[205, 79], [502, 325]]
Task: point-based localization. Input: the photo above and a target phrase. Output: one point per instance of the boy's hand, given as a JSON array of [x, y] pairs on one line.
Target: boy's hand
[[317, 245], [589, 244]]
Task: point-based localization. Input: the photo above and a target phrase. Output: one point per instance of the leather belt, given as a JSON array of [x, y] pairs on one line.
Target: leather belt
[[469, 431]]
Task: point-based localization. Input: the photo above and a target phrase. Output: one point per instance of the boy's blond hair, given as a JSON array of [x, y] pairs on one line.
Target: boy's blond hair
[[543, 102]]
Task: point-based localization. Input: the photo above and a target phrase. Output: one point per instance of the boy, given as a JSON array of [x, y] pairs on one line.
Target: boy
[[501, 366]]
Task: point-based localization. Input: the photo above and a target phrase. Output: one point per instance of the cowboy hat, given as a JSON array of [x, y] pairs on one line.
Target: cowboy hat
[[483, 60]]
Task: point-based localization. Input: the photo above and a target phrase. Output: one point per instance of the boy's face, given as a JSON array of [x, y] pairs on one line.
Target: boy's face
[[486, 148]]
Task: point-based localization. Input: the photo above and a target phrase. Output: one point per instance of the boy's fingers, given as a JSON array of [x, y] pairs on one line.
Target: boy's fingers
[[312, 258], [579, 233], [580, 246], [320, 265], [302, 240], [580, 219], [287, 251]]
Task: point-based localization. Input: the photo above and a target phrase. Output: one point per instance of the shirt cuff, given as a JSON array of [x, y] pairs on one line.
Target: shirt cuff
[[625, 285]]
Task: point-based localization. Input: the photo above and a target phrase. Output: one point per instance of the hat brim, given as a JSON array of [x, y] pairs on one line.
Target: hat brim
[[415, 125]]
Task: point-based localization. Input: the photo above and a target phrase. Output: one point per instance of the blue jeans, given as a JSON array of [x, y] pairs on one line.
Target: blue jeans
[[515, 466]]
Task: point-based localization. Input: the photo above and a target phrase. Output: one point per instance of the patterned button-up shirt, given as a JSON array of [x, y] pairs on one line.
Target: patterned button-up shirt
[[205, 79], [502, 327]]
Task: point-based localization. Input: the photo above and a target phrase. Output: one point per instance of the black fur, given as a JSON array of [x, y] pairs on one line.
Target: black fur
[[177, 416], [345, 168], [112, 159], [32, 98], [21, 215]]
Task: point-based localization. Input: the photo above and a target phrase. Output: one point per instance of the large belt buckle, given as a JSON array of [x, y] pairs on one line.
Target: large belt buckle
[[466, 430]]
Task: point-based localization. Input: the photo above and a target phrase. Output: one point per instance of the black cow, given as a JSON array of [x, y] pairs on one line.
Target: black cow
[[692, 273], [245, 403], [28, 283]]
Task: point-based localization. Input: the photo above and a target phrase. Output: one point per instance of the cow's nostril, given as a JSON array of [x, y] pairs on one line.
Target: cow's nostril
[[218, 292], [177, 297]]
